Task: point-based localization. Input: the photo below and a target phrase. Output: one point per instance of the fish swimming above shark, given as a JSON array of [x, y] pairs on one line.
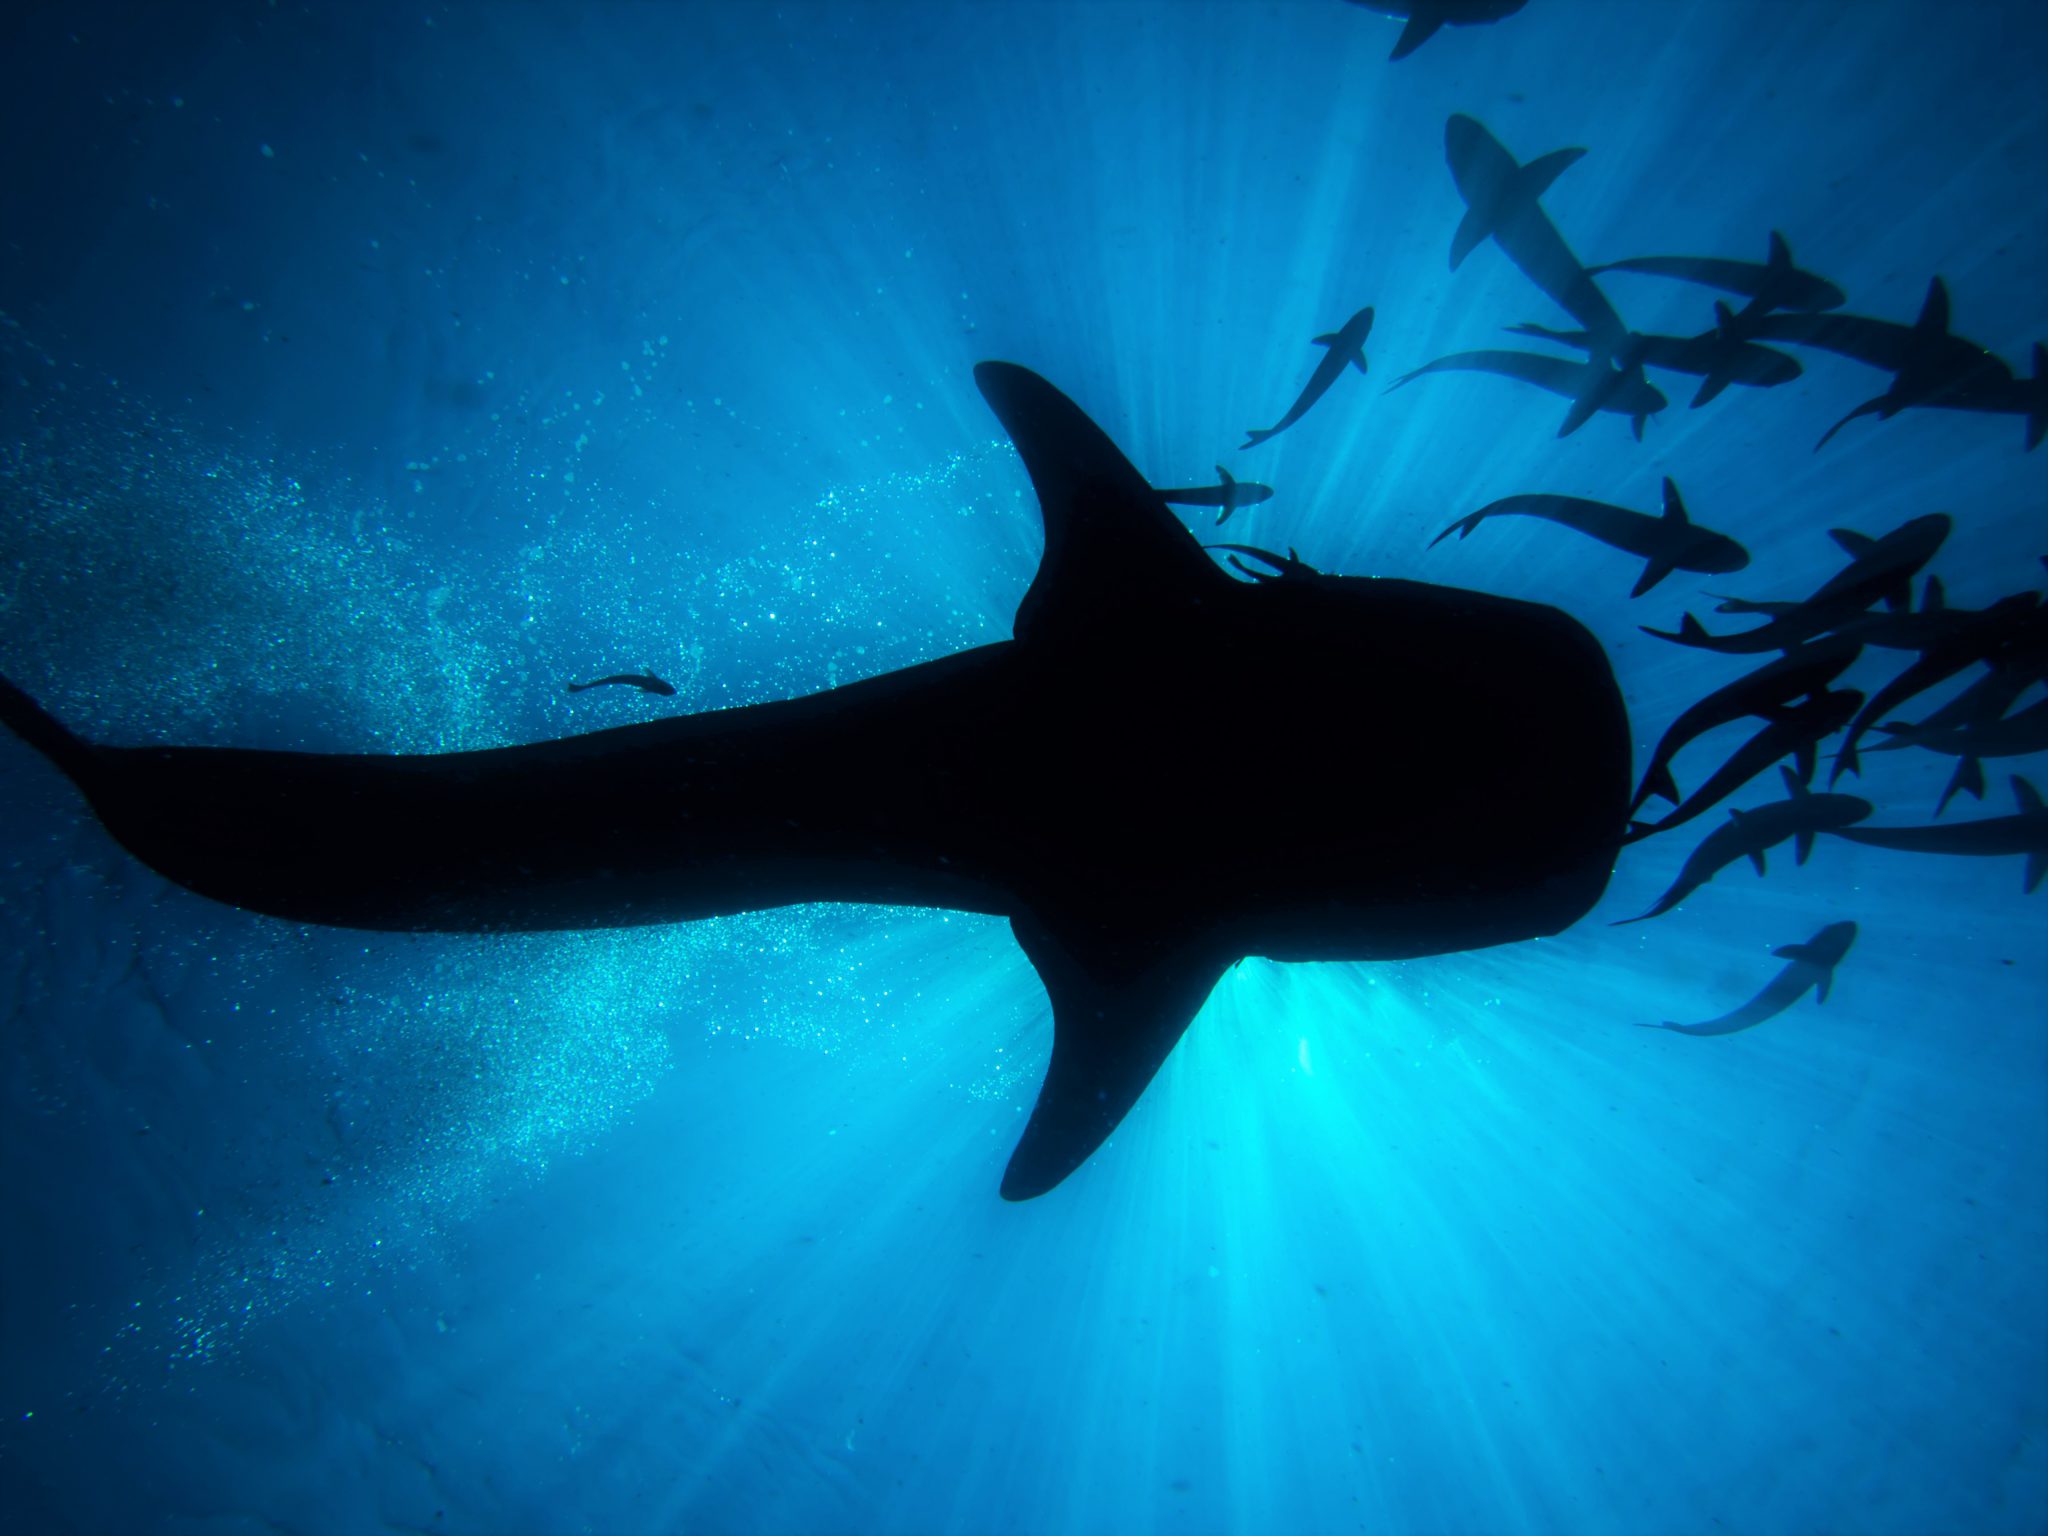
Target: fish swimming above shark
[[1929, 364], [1425, 17], [1672, 542], [1590, 386], [1229, 496], [1812, 969], [1773, 283], [1345, 347], [1503, 202], [2020, 735], [1794, 731], [1751, 833], [1879, 570], [2024, 834], [1717, 358], [1804, 669], [1440, 769]]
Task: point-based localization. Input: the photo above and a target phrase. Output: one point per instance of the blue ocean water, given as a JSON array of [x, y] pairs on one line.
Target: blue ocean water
[[366, 371]]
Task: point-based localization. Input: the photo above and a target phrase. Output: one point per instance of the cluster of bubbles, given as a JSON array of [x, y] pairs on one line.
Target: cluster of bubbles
[[161, 586]]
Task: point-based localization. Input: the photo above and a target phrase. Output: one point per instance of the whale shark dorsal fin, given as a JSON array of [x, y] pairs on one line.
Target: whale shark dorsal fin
[[2029, 798], [1934, 311], [1534, 179], [1120, 1004], [1674, 509], [1113, 553]]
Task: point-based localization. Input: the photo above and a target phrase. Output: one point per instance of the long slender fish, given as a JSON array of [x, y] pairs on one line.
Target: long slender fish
[[1717, 358], [646, 682], [1749, 834], [1795, 733], [1812, 969], [1805, 669], [1229, 496], [1774, 283], [1590, 386], [1879, 570], [1669, 543], [2019, 735], [1993, 837], [1346, 346]]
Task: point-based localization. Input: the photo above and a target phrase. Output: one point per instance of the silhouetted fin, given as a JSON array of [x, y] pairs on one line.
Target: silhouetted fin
[[41, 730], [1120, 1004], [1110, 544], [1420, 29]]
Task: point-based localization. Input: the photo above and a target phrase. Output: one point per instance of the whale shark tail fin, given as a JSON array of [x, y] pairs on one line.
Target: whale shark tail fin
[[1420, 29], [1119, 1006]]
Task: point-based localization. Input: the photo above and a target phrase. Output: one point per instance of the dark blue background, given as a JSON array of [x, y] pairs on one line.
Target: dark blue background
[[366, 371]]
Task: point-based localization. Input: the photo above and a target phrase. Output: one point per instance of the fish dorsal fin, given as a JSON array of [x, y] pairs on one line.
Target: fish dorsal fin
[[1119, 1006], [1781, 253], [1113, 553], [1420, 29], [1933, 597], [1227, 481], [2029, 798], [1674, 509], [1534, 179], [1793, 786], [1934, 311], [1854, 544], [1724, 317]]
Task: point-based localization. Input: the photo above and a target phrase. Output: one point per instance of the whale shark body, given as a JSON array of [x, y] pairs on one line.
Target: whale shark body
[[1423, 770]]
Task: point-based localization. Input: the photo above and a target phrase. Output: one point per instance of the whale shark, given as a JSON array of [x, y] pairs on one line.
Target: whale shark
[[1428, 769]]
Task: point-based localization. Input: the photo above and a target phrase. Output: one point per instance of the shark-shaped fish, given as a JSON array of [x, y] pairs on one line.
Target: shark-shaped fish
[[1750, 834], [1343, 347], [1591, 386], [1992, 837], [1812, 969], [1228, 496], [1669, 543], [1717, 358], [1045, 779], [1774, 283]]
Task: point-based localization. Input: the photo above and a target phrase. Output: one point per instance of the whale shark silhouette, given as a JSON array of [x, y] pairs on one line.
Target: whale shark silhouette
[[1423, 770]]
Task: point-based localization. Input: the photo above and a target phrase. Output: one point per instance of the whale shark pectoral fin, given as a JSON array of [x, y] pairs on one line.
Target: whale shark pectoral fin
[[1113, 553], [1420, 29], [1654, 572], [1119, 1006]]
